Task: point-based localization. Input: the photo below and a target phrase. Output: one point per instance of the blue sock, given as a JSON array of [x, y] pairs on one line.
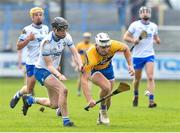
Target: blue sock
[[66, 120], [151, 97], [103, 107], [136, 93], [31, 100]]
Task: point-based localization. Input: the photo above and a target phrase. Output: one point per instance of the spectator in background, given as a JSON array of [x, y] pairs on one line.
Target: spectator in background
[[121, 6], [168, 3], [135, 5]]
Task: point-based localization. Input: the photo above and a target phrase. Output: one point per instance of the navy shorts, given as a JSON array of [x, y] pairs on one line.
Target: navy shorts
[[107, 72], [139, 63], [30, 70], [41, 74]]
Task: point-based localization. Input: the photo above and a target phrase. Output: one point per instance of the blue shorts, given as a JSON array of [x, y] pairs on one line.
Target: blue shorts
[[139, 63], [29, 70], [41, 74], [107, 72]]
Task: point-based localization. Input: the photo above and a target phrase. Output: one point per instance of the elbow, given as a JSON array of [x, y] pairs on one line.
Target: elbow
[[18, 47], [159, 41]]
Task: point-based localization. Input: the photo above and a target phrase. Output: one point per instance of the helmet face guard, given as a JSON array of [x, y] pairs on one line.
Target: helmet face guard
[[145, 13], [102, 40], [62, 27], [60, 24]]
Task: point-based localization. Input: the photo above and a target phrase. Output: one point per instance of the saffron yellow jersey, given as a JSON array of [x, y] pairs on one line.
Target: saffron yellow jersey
[[82, 48], [95, 61]]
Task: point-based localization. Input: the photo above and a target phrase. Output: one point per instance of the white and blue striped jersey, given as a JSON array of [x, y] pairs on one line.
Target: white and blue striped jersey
[[33, 46], [51, 47], [145, 46]]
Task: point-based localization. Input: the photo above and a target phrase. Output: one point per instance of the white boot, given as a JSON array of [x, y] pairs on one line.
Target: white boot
[[103, 117]]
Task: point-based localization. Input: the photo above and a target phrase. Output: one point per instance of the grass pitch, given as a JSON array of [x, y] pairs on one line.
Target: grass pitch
[[123, 117]]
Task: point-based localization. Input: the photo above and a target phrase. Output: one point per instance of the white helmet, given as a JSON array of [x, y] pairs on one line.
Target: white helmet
[[102, 39], [143, 10]]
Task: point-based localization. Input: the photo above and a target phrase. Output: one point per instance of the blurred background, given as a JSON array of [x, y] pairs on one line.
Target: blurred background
[[111, 16]]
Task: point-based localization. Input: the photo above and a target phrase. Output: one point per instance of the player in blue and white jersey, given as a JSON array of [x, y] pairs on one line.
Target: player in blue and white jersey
[[46, 69], [143, 52], [31, 38]]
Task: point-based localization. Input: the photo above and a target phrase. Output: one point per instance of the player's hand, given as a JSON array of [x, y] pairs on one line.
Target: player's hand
[[74, 66], [62, 77], [80, 67], [131, 70], [92, 103], [136, 41], [31, 37]]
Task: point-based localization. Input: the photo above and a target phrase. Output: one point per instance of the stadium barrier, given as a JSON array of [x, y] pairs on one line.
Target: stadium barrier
[[167, 66], [9, 65]]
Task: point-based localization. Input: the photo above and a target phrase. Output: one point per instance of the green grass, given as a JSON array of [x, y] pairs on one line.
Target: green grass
[[124, 117]]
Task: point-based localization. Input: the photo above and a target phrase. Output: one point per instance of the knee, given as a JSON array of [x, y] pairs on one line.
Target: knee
[[150, 78], [137, 80], [64, 91], [107, 88]]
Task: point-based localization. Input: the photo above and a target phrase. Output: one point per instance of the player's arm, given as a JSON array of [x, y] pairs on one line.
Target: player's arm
[[46, 54], [157, 39], [85, 87], [128, 37], [84, 81], [76, 57], [22, 43]]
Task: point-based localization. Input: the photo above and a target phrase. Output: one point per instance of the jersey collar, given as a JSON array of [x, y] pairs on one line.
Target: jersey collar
[[145, 22], [55, 38], [36, 26]]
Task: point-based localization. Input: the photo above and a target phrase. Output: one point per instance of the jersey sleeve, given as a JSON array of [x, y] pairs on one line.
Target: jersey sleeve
[[87, 66], [131, 28], [156, 30], [69, 41], [89, 61], [23, 35], [117, 46], [46, 48]]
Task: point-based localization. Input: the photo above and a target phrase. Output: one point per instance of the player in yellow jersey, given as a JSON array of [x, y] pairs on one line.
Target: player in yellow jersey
[[82, 47], [98, 65]]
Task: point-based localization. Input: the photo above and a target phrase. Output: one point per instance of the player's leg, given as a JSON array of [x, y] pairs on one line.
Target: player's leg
[[58, 97], [105, 86], [108, 101], [26, 89], [136, 83], [29, 100], [138, 64], [100, 80], [150, 82]]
